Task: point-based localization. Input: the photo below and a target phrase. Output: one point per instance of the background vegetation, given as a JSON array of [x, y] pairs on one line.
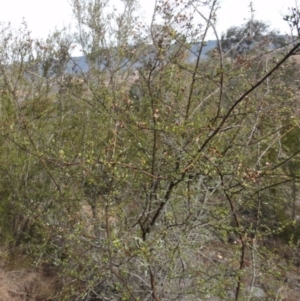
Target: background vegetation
[[151, 176]]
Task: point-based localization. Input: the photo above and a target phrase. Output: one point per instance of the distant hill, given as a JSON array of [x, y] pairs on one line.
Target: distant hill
[[207, 48], [80, 64]]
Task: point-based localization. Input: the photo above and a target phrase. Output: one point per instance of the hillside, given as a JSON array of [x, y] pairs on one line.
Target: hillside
[[150, 172]]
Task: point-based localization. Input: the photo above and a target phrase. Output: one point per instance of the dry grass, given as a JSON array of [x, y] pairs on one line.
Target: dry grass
[[22, 285]]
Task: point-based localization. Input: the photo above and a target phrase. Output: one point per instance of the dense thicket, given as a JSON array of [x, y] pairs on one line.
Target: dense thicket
[[150, 177]]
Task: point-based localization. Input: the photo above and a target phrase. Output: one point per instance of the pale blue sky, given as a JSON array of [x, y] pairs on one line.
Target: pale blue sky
[[44, 15]]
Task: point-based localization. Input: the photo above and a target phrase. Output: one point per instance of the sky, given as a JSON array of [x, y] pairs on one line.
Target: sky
[[43, 16], [234, 12]]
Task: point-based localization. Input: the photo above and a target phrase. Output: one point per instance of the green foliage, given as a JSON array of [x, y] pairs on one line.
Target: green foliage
[[162, 185], [248, 38]]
